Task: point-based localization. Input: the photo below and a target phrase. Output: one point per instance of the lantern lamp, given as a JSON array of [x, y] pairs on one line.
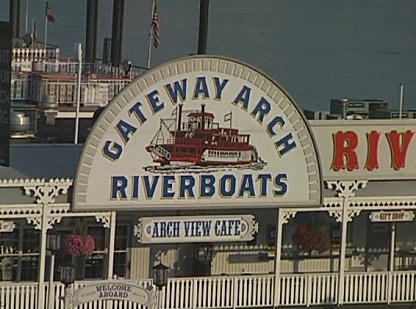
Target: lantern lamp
[[67, 275], [53, 242], [160, 275]]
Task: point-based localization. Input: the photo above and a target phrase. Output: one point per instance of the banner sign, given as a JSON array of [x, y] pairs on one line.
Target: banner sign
[[367, 149], [114, 290], [196, 229], [5, 77], [199, 132], [392, 216]]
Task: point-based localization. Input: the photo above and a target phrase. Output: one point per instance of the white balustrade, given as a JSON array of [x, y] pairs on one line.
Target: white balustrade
[[219, 292]]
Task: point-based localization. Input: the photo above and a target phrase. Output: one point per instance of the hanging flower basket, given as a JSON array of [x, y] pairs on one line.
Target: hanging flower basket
[[309, 237], [79, 244]]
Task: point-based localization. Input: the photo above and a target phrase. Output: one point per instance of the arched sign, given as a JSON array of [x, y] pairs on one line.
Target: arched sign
[[199, 132]]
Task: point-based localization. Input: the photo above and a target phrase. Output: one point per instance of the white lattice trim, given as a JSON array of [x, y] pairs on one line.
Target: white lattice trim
[[346, 188], [13, 183], [46, 193], [333, 202], [36, 221], [383, 202], [20, 210], [59, 208]]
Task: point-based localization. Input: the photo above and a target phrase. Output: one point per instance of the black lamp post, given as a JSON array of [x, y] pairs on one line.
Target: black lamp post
[[160, 275], [67, 278], [160, 279], [53, 243]]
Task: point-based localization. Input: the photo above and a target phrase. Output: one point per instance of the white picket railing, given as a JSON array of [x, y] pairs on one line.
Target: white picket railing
[[242, 291], [18, 295]]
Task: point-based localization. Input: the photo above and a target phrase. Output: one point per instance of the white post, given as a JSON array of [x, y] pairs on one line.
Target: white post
[[392, 246], [111, 245], [50, 293], [42, 256], [149, 52], [401, 101], [344, 225], [79, 54], [391, 262], [277, 258]]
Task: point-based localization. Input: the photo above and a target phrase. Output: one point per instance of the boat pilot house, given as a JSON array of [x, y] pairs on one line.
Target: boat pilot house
[[203, 178]]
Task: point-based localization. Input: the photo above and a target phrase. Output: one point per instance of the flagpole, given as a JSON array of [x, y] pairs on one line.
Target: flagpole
[[34, 33], [46, 29], [149, 54], [27, 15]]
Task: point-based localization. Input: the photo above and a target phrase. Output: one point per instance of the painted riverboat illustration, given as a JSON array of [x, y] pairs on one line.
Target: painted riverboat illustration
[[200, 143]]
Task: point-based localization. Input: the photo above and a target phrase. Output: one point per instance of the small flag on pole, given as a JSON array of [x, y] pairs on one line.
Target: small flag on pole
[[49, 14], [228, 117], [155, 27]]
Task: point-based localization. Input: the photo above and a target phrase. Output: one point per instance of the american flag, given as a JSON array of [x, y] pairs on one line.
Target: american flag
[[156, 27], [49, 14]]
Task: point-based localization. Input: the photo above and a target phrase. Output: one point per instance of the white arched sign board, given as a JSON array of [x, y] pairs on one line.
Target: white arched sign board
[[199, 132]]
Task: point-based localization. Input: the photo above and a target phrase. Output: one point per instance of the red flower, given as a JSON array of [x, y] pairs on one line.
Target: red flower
[[77, 244], [311, 237]]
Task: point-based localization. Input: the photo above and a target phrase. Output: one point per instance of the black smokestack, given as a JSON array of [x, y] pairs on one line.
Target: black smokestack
[[203, 27], [117, 31], [179, 116], [14, 17], [203, 116], [91, 33]]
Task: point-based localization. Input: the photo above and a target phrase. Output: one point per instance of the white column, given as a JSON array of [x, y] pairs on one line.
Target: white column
[[277, 257], [391, 262], [344, 225], [392, 246], [42, 256], [50, 285], [111, 245]]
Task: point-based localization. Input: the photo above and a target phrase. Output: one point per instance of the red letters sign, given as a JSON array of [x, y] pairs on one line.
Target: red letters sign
[[366, 149], [345, 149]]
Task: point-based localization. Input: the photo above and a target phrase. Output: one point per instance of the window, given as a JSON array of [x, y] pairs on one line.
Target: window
[[19, 254], [95, 266], [121, 260]]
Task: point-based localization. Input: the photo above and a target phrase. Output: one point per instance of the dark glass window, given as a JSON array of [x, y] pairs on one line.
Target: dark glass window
[[19, 254]]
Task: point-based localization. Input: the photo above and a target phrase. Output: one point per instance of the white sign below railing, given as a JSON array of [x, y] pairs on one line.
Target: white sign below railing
[[114, 290]]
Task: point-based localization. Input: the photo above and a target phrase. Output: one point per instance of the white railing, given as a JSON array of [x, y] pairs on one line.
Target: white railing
[[308, 289], [33, 54], [18, 295], [365, 288], [219, 292], [404, 284], [242, 291]]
